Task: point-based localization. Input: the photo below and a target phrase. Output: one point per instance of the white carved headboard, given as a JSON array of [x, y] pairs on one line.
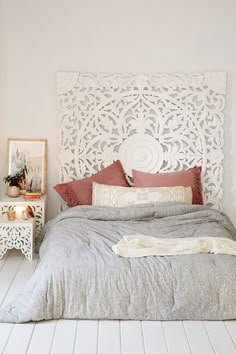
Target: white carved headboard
[[151, 122]]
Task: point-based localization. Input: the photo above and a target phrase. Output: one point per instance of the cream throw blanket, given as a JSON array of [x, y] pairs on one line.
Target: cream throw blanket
[[142, 246]]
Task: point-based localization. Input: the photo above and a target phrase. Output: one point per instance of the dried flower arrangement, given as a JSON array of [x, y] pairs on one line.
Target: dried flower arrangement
[[17, 178]]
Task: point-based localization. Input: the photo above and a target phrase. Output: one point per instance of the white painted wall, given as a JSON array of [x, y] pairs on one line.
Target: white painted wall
[[39, 38]]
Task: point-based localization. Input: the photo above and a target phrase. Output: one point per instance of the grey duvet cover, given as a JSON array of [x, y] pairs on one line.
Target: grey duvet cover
[[79, 277]]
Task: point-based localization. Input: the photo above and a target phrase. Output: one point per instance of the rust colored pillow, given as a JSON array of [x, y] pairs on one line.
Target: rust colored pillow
[[186, 178], [79, 192]]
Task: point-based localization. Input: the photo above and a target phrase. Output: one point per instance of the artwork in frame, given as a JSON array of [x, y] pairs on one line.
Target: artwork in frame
[[32, 154]]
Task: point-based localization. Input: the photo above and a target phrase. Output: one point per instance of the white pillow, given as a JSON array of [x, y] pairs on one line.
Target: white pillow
[[114, 196]]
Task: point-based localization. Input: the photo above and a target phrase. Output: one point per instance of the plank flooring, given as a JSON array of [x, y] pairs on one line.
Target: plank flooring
[[104, 337]]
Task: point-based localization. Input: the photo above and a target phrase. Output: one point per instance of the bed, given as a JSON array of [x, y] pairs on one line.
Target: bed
[[152, 123]]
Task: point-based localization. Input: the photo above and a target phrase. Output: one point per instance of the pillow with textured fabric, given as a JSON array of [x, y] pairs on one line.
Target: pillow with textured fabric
[[113, 196], [79, 192], [186, 178]]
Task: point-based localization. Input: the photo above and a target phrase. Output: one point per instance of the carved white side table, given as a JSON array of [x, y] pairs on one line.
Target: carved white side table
[[17, 234], [38, 206]]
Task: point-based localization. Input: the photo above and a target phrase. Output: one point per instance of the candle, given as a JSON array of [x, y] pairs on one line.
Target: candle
[[19, 210], [11, 214], [24, 214]]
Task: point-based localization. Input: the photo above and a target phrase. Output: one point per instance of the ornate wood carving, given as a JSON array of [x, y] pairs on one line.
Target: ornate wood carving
[[17, 235], [151, 122]]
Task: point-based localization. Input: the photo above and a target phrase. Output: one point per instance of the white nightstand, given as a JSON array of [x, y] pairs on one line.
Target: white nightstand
[[17, 234], [38, 206]]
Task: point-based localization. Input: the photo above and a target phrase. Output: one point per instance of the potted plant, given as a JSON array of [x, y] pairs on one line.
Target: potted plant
[[16, 182]]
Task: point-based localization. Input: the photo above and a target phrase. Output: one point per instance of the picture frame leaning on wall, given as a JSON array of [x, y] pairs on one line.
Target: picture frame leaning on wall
[[31, 153]]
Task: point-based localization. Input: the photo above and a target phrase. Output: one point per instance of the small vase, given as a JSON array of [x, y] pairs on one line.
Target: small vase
[[13, 191]]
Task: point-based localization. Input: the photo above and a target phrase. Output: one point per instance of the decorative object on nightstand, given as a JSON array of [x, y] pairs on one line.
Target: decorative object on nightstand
[[32, 154], [17, 234], [19, 210], [25, 214], [16, 181], [34, 207], [13, 191], [32, 195], [11, 215]]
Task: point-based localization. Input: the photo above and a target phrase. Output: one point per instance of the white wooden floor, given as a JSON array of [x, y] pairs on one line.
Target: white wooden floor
[[104, 337]]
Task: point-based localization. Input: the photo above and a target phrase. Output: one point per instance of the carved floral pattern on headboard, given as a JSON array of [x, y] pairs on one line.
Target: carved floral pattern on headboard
[[151, 122]]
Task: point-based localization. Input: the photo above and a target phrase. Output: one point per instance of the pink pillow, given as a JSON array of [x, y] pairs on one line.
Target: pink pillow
[[186, 178], [80, 191]]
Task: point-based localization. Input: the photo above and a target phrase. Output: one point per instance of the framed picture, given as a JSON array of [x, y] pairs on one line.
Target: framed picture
[[32, 154]]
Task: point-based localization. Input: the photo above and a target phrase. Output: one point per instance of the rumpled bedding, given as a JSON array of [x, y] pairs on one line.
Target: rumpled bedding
[[80, 277], [143, 246]]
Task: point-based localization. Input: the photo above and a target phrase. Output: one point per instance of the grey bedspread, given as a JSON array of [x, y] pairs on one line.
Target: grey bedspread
[[79, 276]]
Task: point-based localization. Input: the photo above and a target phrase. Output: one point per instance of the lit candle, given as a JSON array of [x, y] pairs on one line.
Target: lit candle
[[11, 214], [19, 210], [24, 214]]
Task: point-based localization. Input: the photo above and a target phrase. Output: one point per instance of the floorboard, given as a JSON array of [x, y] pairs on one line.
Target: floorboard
[[132, 337], [86, 337], [176, 337], [5, 332], [104, 337], [42, 338], [198, 338], [19, 339], [23, 274], [8, 273], [109, 337], [154, 337], [64, 337], [220, 337], [231, 327], [3, 260]]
